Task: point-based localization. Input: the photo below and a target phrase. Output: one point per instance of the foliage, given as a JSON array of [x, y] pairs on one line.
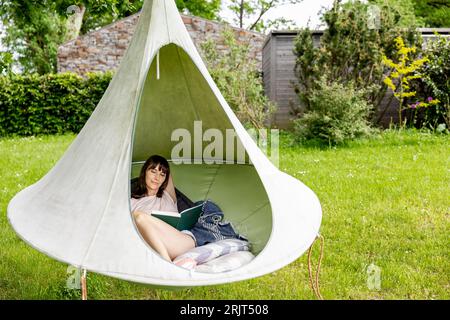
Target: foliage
[[350, 50], [249, 13], [6, 61], [238, 79], [33, 31], [435, 13], [100, 13], [403, 11], [35, 28], [336, 113], [201, 8], [435, 84], [48, 104], [403, 73], [96, 14]]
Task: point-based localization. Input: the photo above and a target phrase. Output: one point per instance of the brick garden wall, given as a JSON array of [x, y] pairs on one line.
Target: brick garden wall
[[102, 50]]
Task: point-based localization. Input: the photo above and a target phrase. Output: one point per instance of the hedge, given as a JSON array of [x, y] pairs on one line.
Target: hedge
[[48, 104]]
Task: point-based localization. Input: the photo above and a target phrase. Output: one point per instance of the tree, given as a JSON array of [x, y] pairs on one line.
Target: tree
[[201, 8], [93, 14], [33, 31], [351, 50], [435, 13], [249, 13], [36, 28], [404, 12], [96, 13]]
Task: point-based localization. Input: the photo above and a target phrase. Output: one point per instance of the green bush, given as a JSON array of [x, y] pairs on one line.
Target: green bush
[[336, 113], [435, 84], [48, 104], [239, 80]]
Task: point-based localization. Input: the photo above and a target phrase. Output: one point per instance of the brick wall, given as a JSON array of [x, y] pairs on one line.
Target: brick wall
[[102, 50]]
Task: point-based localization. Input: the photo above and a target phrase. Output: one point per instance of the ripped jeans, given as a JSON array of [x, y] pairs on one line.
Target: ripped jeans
[[210, 226]]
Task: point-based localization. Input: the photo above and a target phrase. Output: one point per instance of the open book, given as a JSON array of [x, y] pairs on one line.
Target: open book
[[184, 220]]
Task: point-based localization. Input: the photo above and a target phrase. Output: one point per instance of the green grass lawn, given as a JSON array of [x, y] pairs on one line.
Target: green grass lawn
[[385, 201]]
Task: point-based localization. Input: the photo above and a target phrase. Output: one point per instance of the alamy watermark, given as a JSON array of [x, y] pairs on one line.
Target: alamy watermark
[[374, 277], [73, 9], [212, 146], [73, 282], [373, 17]]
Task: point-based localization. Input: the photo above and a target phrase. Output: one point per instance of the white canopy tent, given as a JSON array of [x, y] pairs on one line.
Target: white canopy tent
[[79, 212]]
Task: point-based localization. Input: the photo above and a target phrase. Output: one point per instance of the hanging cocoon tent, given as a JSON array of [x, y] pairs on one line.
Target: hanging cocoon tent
[[79, 212]]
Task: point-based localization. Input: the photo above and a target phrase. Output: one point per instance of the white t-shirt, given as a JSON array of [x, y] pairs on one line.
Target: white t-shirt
[[150, 203]]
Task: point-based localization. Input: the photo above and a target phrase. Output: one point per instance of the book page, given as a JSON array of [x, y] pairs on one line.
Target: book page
[[166, 213]]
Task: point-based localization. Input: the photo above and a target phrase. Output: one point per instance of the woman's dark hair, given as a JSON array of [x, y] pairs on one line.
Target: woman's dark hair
[[141, 188]]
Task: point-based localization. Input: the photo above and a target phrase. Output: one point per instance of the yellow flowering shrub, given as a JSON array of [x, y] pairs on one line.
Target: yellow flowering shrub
[[401, 73]]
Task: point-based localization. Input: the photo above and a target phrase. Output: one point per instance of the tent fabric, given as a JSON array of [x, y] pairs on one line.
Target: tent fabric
[[79, 212]]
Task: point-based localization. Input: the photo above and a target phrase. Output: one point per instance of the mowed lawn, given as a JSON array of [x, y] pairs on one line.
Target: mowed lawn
[[385, 202]]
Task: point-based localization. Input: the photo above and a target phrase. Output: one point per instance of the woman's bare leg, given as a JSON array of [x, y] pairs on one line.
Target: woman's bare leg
[[162, 237], [175, 241], [150, 234]]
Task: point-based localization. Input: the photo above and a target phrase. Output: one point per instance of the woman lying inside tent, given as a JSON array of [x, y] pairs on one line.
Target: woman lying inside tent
[[155, 191]]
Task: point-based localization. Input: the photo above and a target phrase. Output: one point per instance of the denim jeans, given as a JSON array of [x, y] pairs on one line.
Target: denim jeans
[[210, 226]]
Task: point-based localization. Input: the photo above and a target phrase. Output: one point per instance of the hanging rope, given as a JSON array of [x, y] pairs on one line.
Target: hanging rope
[[315, 285], [83, 285]]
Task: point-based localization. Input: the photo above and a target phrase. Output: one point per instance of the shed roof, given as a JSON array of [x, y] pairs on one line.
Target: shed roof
[[276, 33]]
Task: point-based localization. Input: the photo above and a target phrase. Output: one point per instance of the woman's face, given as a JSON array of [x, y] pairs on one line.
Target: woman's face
[[154, 178]]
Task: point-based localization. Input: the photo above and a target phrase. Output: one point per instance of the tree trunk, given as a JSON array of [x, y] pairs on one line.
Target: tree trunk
[[241, 15]]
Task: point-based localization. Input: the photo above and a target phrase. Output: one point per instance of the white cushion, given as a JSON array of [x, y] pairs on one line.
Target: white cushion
[[226, 262], [210, 251]]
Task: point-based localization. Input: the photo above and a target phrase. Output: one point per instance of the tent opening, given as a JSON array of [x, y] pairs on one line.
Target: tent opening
[[180, 97]]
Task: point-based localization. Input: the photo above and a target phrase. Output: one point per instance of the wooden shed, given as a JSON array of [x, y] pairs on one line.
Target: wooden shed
[[278, 74]]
